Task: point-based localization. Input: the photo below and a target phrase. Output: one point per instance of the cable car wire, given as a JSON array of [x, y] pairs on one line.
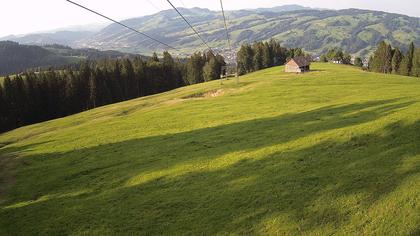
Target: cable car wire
[[189, 24], [226, 28], [121, 24]]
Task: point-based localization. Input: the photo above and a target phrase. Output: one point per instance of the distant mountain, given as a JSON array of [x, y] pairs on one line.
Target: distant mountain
[[16, 58], [61, 37], [315, 30], [284, 8]]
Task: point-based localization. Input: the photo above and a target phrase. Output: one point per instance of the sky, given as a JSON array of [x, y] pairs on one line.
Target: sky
[[27, 16]]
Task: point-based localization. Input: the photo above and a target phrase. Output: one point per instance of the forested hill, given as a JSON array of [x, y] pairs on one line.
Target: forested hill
[[355, 31], [65, 37], [16, 58]]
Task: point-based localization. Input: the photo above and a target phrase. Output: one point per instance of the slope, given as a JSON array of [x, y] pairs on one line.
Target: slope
[[331, 151]]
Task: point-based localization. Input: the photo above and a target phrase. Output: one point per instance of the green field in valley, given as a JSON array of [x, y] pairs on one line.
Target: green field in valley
[[333, 151]]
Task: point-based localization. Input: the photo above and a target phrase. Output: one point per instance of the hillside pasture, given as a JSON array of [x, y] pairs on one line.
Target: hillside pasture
[[333, 151]]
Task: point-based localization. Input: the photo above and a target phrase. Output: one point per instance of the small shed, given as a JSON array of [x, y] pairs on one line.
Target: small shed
[[298, 65]]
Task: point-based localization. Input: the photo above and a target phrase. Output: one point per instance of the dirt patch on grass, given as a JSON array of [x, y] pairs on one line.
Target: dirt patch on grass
[[208, 94]]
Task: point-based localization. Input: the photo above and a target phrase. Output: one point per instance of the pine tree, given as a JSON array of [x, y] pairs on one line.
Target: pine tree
[[33, 95], [167, 59], [371, 63], [297, 52], [245, 58], [9, 101], [82, 86], [278, 53], [396, 61], [210, 70], [388, 59], [128, 79], [266, 56], [3, 111], [404, 66], [415, 71], [138, 66], [116, 87], [155, 57], [346, 59], [70, 92], [93, 90], [258, 49], [195, 69], [382, 58], [220, 60], [102, 87], [358, 62], [410, 56], [337, 55], [250, 58], [20, 100]]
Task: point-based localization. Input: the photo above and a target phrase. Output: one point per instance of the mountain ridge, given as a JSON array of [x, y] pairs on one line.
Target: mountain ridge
[[357, 31], [16, 58]]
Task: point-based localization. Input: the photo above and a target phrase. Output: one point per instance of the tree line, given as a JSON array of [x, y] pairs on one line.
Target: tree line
[[387, 59], [338, 55], [33, 97], [261, 55], [17, 58]]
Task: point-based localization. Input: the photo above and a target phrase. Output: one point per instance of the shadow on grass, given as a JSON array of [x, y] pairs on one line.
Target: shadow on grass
[[317, 70], [225, 179]]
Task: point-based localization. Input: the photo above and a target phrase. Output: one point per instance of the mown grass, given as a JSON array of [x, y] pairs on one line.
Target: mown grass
[[334, 151]]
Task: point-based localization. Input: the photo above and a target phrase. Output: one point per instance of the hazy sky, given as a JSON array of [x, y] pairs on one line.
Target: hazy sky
[[24, 16]]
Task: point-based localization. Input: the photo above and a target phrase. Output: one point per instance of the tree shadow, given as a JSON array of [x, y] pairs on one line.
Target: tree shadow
[[218, 180], [317, 70]]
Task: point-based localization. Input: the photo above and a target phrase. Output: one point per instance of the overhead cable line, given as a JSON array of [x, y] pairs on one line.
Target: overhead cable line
[[226, 28], [126, 26], [230, 45], [189, 24]]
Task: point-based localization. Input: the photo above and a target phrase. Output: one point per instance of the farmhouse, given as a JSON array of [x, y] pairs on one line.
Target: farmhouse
[[298, 65]]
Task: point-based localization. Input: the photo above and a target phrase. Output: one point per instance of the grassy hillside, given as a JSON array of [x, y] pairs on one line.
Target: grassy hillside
[[331, 151]]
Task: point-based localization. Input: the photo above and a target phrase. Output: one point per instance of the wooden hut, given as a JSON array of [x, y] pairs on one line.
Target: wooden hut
[[298, 65]]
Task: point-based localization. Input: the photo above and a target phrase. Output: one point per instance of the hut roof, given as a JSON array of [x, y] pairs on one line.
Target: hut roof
[[301, 61]]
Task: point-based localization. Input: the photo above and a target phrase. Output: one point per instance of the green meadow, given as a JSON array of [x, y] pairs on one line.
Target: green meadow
[[333, 151]]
